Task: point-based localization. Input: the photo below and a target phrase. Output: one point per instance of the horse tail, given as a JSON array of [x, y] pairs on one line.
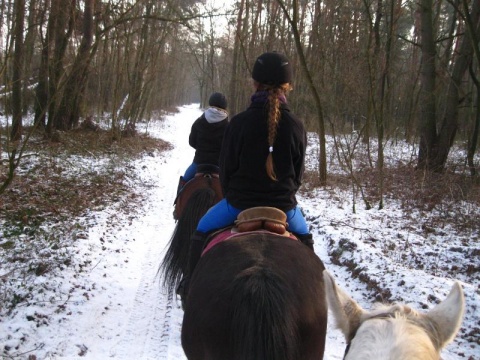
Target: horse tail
[[175, 261], [263, 321]]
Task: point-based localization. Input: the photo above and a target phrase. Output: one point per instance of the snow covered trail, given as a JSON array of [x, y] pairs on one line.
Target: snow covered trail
[[144, 323], [113, 305], [152, 330]]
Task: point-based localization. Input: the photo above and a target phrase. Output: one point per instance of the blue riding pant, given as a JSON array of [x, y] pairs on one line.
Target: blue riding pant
[[222, 214], [190, 172]]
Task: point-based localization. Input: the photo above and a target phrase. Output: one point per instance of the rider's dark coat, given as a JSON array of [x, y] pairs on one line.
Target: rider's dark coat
[[245, 182], [206, 138]]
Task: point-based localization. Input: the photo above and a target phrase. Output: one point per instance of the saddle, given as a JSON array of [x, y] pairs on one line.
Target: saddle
[[262, 217], [256, 219]]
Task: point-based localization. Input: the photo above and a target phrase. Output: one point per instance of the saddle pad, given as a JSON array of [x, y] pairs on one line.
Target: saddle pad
[[230, 234]]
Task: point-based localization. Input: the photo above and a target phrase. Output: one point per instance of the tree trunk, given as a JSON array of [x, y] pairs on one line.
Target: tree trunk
[[29, 46], [476, 129], [41, 90], [435, 147], [62, 27], [17, 124], [73, 95], [475, 36], [449, 125], [233, 90], [428, 132]]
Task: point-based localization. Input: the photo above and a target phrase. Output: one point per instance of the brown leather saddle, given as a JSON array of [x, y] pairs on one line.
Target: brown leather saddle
[[262, 217], [256, 219]]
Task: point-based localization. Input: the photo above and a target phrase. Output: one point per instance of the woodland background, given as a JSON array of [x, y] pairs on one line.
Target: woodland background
[[84, 79], [386, 69]]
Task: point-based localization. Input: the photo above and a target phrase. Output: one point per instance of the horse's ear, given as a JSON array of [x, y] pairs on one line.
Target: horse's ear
[[346, 311], [448, 315]]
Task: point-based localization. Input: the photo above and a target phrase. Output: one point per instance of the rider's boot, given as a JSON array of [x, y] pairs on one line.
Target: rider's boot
[[181, 184], [197, 243], [307, 239]]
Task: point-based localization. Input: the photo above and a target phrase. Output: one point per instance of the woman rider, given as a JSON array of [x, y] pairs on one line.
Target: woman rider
[[261, 160]]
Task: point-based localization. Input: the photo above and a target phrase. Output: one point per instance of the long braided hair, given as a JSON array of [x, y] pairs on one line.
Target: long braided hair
[[274, 115]]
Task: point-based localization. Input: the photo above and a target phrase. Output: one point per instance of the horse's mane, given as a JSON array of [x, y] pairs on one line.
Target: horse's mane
[[260, 310], [394, 339], [397, 330]]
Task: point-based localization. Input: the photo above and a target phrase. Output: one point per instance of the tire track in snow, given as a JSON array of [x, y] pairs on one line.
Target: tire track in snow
[[154, 318], [148, 312]]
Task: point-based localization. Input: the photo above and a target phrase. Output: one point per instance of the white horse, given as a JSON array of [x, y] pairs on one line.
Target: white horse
[[395, 332]]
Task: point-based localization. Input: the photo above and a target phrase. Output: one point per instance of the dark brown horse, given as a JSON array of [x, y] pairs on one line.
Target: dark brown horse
[[258, 296], [255, 296]]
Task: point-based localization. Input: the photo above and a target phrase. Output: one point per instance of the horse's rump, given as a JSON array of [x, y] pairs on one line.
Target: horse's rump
[[258, 296], [204, 180]]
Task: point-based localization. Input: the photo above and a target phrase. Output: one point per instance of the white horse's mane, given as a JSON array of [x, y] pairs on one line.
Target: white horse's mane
[[394, 332]]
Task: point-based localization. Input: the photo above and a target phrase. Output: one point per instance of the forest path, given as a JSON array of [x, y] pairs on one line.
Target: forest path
[[154, 320], [142, 321]]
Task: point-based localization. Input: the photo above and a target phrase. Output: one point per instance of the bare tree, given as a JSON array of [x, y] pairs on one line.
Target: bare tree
[[435, 146], [475, 37], [293, 21], [17, 124], [60, 29], [71, 102], [41, 90]]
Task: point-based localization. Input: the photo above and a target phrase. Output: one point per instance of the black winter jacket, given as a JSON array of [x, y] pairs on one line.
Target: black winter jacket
[[243, 175], [206, 138]]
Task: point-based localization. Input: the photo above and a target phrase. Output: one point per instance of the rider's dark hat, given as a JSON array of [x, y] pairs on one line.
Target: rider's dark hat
[[272, 68], [218, 100]]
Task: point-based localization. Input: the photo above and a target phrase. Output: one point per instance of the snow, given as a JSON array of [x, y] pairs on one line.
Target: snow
[[109, 304]]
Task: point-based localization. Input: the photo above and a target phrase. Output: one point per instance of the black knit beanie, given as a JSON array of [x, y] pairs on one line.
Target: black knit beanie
[[218, 100], [272, 68]]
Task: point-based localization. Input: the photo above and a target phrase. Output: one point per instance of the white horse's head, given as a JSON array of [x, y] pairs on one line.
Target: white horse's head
[[395, 332]]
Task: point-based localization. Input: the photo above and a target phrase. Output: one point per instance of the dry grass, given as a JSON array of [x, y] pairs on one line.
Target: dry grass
[[448, 198], [431, 204], [51, 187]]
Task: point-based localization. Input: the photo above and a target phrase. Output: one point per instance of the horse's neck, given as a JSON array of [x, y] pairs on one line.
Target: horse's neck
[[391, 339]]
